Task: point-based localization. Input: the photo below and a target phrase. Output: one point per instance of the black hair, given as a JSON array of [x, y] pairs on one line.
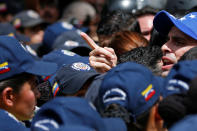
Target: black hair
[[16, 81], [190, 99], [116, 21], [146, 10], [115, 110], [172, 109], [148, 56], [45, 90]]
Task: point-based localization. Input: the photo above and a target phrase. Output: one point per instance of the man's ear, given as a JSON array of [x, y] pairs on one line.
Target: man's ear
[[155, 123], [8, 96]]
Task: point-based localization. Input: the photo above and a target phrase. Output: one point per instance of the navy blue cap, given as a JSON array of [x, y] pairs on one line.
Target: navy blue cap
[[73, 111], [8, 29], [189, 123], [164, 21], [93, 90], [27, 18], [9, 123], [70, 78], [63, 57], [14, 59], [53, 31], [132, 86], [179, 78], [70, 40]]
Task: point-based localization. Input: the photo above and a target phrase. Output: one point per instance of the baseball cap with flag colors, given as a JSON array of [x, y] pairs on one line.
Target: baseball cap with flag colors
[[164, 21], [14, 59], [132, 86]]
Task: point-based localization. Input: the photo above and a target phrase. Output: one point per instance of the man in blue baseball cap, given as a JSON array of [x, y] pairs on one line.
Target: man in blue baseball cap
[[181, 36], [29, 23], [18, 81]]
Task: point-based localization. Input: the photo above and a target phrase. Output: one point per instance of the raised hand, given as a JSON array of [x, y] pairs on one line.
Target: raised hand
[[101, 59]]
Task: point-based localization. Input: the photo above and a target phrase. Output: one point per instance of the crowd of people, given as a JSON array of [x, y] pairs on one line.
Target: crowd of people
[[104, 65]]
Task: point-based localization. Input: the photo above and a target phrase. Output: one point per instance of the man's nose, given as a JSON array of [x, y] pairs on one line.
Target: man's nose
[[166, 48]]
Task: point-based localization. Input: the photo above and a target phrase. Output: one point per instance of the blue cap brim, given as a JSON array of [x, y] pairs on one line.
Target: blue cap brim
[[42, 68], [82, 78], [164, 21]]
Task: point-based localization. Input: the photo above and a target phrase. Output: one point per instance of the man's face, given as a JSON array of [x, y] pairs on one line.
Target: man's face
[[25, 102], [178, 43], [35, 34], [146, 25]]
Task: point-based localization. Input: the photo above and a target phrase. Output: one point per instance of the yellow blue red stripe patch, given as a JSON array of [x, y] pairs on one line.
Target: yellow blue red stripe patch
[[4, 68], [148, 92], [55, 89]]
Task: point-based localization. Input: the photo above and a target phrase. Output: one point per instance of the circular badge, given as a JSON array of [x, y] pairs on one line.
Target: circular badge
[[80, 66]]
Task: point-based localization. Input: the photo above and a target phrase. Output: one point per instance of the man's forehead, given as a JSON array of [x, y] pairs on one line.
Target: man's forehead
[[176, 33]]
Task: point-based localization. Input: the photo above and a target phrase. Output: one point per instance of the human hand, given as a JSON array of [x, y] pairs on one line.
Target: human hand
[[101, 59]]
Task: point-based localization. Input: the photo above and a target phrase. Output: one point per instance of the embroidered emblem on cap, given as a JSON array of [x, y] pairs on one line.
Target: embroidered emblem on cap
[[148, 92], [173, 84], [69, 53], [67, 25], [71, 43], [192, 16], [17, 23], [32, 14], [4, 68], [115, 94], [80, 66], [55, 89]]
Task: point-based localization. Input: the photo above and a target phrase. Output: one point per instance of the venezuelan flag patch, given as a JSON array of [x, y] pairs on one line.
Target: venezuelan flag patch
[[148, 92], [17, 23], [55, 89], [4, 68]]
